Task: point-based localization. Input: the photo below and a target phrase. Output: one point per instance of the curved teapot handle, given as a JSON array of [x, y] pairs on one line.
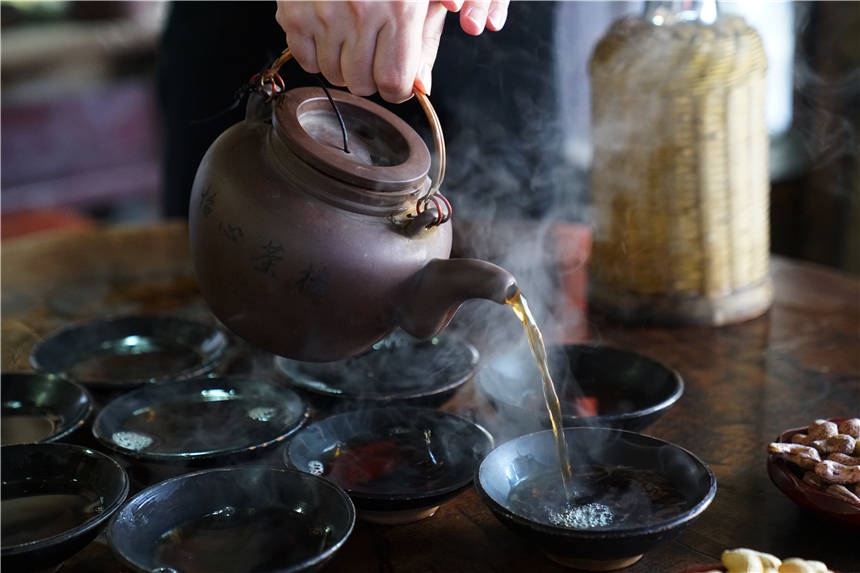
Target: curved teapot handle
[[273, 84]]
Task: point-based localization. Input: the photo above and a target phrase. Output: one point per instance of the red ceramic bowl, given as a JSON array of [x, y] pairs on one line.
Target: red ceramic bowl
[[787, 477]]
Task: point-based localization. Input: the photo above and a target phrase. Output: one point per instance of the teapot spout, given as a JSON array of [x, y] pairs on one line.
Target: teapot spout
[[442, 285]]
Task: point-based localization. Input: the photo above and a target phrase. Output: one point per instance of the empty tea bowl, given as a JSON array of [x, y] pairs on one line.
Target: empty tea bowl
[[233, 520], [398, 464], [399, 368], [55, 498], [629, 492], [124, 352], [40, 408], [597, 385]]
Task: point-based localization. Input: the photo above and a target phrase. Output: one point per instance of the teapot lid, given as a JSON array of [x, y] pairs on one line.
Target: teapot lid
[[384, 152]]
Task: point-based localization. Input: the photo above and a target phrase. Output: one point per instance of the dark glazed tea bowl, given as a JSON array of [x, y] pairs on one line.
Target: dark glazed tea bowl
[[398, 368], [233, 520], [121, 353], [55, 499], [171, 428], [398, 464], [597, 385], [40, 408], [631, 492]]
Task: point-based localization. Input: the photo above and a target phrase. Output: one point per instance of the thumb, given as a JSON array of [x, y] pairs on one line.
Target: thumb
[[433, 25]]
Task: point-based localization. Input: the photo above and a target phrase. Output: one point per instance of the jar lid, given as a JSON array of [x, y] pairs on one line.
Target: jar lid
[[385, 153]]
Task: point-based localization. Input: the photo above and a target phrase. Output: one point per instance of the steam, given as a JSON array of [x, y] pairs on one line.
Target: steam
[[395, 368], [512, 191], [826, 100]]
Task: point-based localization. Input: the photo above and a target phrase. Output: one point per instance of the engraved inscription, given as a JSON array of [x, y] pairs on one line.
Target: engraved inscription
[[207, 201], [314, 282], [272, 253], [233, 232]]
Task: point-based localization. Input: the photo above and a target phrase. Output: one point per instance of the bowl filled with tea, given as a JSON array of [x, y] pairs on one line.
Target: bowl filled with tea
[[56, 497], [620, 494], [398, 464], [235, 520], [597, 386], [40, 407], [166, 429]]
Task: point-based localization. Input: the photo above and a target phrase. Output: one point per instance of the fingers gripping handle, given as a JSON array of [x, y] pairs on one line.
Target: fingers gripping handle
[[272, 82]]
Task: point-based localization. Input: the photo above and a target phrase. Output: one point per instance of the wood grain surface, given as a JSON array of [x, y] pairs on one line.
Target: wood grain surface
[[744, 384]]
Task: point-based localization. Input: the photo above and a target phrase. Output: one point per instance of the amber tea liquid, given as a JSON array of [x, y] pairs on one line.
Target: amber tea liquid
[[521, 309]]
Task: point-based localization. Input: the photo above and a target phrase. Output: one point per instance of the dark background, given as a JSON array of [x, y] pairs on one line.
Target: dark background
[[88, 89]]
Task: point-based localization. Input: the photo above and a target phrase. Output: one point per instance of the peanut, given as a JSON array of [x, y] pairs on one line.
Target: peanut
[[851, 426], [834, 472], [842, 492], [795, 565], [821, 429], [844, 459], [839, 443], [748, 560], [805, 456], [814, 480]]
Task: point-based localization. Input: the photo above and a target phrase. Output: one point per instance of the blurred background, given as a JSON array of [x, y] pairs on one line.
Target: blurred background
[[84, 138]]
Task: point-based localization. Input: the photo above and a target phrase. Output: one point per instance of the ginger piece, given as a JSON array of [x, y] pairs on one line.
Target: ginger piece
[[851, 426], [834, 472], [796, 565], [842, 493], [749, 561], [821, 429], [806, 457]]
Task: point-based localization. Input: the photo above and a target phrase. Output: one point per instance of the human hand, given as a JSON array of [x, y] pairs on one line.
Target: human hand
[[387, 47], [366, 46], [476, 15]]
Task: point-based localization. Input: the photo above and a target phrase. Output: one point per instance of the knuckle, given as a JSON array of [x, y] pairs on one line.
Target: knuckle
[[403, 11], [289, 20], [361, 89], [392, 81], [359, 11]]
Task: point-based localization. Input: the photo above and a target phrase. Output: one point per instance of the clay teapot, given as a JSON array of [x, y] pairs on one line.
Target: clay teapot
[[316, 231]]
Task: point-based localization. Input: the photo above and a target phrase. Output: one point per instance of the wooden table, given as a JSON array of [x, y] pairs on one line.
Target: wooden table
[[744, 384]]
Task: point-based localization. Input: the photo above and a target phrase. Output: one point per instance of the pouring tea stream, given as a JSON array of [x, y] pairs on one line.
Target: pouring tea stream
[[315, 231]]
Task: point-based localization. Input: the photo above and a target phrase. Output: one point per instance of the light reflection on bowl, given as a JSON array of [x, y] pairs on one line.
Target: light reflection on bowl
[[398, 464]]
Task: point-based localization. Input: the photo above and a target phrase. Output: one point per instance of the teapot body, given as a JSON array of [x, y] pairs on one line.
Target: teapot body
[[295, 261]]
